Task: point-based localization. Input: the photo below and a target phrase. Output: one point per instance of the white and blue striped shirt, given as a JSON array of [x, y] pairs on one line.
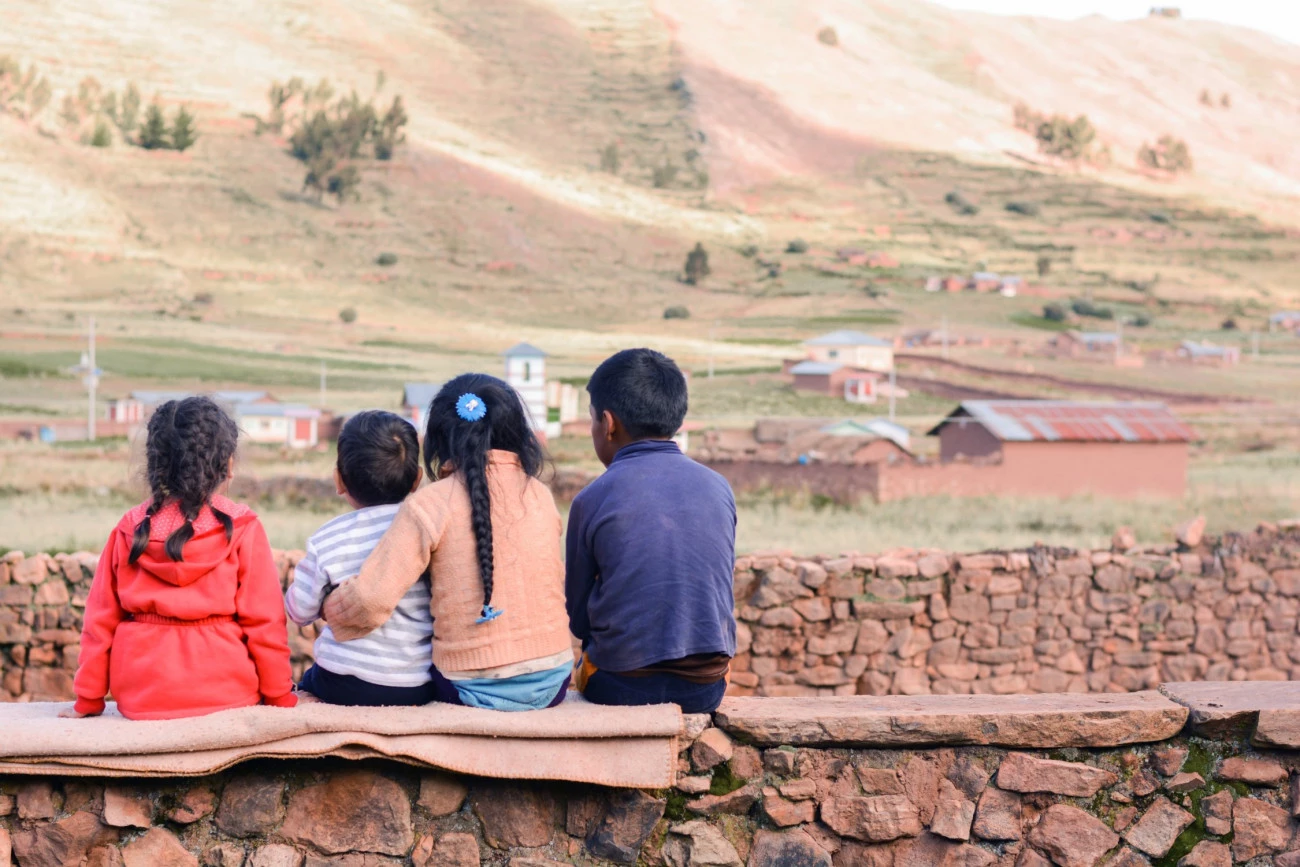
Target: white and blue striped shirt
[[399, 653]]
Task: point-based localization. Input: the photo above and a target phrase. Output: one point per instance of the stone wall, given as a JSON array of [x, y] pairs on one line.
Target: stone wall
[[905, 622], [1192, 799]]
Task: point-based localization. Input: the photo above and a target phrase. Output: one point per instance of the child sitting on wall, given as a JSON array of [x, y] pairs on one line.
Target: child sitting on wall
[[488, 532], [184, 615], [378, 466], [651, 548]]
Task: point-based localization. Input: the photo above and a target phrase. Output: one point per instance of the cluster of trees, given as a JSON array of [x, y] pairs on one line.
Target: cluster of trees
[[24, 93], [1168, 154], [94, 115], [1072, 139], [331, 136], [697, 265]]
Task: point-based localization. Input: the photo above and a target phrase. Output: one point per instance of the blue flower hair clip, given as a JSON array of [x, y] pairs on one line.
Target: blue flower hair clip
[[470, 407], [489, 614]]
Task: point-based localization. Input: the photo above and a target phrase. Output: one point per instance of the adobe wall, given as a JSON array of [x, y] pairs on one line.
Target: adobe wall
[[905, 622], [751, 791]]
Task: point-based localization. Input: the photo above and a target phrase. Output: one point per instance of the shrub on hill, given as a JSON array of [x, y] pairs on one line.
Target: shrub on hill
[[1044, 265], [1028, 209], [960, 204], [610, 160], [1072, 140], [663, 175], [1055, 313], [677, 312], [1168, 154], [1083, 307], [348, 315], [102, 137], [23, 93], [1225, 101], [798, 245], [697, 264], [828, 36], [386, 260]]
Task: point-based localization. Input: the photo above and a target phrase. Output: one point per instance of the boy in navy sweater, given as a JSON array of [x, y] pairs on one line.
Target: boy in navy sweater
[[651, 548]]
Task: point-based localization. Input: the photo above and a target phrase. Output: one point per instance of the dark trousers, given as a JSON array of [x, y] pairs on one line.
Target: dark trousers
[[352, 691], [607, 687]]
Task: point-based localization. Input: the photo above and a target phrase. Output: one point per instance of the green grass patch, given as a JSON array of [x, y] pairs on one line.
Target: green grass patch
[[761, 341], [14, 367], [22, 409]]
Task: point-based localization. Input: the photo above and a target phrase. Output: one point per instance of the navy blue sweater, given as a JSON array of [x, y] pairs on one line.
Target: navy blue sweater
[[651, 551]]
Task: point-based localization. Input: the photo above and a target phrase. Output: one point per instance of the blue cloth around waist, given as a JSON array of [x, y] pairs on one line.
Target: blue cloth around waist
[[522, 692]]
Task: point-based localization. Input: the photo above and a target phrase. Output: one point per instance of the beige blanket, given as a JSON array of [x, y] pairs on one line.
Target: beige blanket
[[578, 741]]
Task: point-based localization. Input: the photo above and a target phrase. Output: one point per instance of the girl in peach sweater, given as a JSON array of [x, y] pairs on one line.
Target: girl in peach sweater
[[488, 533]]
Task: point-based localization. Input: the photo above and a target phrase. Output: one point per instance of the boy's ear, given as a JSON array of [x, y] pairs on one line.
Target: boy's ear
[[339, 488], [613, 427], [419, 477]]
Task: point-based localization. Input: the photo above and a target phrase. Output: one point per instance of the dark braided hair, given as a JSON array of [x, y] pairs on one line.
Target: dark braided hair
[[188, 451], [450, 439]]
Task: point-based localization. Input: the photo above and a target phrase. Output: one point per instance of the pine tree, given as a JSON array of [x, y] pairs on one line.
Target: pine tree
[[102, 136], [153, 135], [128, 114], [183, 134]]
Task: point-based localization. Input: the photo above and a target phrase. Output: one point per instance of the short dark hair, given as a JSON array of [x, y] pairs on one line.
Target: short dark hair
[[379, 457], [643, 389]]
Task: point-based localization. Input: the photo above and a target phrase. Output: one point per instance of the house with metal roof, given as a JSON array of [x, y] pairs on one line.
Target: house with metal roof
[[852, 349], [1206, 353], [526, 373], [1285, 320], [832, 379], [288, 424], [1069, 448]]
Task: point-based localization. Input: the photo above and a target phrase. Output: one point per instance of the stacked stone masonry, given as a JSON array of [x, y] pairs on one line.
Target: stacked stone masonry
[[906, 622], [1193, 799]]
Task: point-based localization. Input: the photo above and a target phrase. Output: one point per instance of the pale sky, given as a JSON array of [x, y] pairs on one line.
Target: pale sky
[[1277, 17]]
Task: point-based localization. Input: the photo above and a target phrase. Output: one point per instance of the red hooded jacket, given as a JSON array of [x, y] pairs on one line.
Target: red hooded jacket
[[174, 639]]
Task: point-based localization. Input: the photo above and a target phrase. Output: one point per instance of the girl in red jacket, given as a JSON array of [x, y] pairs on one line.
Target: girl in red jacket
[[185, 616]]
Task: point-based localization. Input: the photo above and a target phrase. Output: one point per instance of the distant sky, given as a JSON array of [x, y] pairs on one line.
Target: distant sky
[[1277, 17]]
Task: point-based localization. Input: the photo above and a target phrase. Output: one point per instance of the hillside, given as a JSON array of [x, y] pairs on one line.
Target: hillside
[[734, 125]]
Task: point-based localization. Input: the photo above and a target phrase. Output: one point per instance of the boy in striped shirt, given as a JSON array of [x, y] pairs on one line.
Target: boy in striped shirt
[[378, 465]]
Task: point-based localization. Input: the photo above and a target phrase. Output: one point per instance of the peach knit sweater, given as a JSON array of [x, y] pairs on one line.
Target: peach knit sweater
[[432, 531]]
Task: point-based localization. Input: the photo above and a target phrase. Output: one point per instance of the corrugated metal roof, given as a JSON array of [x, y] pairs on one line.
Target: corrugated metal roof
[[153, 398], [275, 410], [1072, 421], [815, 368], [846, 337]]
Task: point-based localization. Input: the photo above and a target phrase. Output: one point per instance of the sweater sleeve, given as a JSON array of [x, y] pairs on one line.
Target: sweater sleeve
[[306, 595], [362, 604], [261, 617], [103, 614]]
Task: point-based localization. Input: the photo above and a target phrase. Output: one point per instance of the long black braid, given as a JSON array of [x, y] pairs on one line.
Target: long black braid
[[464, 445], [187, 455]]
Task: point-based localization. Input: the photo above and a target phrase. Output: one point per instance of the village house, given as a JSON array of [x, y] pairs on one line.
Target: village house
[[835, 380], [852, 349], [260, 416], [1207, 354], [984, 281], [1106, 347], [1285, 320], [1068, 448], [526, 374]]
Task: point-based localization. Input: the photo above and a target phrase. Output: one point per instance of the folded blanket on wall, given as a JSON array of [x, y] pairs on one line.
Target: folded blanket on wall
[[577, 741]]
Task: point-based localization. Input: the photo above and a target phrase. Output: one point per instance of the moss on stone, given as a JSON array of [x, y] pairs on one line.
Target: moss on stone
[[724, 781], [675, 811]]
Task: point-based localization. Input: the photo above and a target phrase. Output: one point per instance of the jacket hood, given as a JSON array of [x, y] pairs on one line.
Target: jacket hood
[[206, 550]]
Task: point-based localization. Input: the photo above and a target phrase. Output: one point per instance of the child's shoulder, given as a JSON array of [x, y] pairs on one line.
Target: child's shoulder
[[368, 517]]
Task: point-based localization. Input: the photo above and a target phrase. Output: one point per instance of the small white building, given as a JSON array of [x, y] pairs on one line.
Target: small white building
[[852, 349], [287, 424], [127, 410], [526, 373]]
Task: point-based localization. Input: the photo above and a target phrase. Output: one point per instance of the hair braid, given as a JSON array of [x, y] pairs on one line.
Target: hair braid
[[190, 445], [474, 474]]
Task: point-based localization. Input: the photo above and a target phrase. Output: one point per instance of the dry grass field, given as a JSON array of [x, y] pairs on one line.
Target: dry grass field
[[735, 127]]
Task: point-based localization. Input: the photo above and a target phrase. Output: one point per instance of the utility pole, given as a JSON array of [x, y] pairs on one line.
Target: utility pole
[[322, 383], [712, 328], [893, 388], [90, 380]]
